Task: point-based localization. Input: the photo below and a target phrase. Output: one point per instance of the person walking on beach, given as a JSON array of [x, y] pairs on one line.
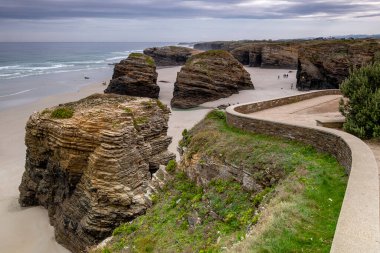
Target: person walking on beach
[[291, 86]]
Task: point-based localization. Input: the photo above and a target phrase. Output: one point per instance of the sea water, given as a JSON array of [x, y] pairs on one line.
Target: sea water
[[29, 71]]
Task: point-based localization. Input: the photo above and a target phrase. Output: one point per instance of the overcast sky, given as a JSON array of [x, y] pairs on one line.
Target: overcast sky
[[181, 20]]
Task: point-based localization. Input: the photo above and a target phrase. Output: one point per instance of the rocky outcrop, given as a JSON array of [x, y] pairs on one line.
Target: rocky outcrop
[[279, 56], [267, 55], [91, 164], [221, 45], [249, 54], [209, 76], [135, 76], [171, 55], [324, 65], [264, 54]]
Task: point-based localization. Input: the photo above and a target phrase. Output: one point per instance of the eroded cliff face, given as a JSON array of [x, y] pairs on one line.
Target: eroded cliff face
[[209, 76], [267, 55], [264, 54], [324, 65], [171, 55], [135, 76], [90, 163]]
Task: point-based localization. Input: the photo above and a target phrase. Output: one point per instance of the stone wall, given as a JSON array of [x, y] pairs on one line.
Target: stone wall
[[358, 228], [262, 105], [323, 141]]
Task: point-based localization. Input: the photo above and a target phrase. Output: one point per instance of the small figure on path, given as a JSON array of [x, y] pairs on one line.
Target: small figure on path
[[291, 86]]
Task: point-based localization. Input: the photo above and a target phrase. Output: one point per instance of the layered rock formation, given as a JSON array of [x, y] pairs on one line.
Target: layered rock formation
[[325, 64], [209, 76], [171, 55], [135, 76], [90, 163], [221, 45], [279, 56], [259, 54]]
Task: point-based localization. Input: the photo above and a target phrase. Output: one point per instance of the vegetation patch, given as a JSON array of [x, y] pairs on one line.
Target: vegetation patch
[[128, 110], [162, 106], [148, 60], [296, 214], [147, 104], [62, 113], [171, 166], [362, 109], [209, 54]]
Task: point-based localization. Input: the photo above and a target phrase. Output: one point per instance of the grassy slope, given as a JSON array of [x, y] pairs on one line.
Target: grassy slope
[[298, 215]]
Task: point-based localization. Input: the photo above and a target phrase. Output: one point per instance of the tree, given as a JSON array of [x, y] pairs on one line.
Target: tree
[[362, 106]]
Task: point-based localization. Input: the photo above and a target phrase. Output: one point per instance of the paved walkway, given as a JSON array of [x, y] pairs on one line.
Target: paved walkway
[[305, 112]]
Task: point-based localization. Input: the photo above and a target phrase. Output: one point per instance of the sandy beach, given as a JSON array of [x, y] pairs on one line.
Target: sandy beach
[[28, 229]]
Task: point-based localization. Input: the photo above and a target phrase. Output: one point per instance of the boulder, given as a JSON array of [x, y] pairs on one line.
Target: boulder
[[135, 76], [171, 55], [325, 64], [209, 76], [91, 163]]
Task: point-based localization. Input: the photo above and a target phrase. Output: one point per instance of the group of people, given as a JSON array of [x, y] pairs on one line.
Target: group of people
[[284, 76]]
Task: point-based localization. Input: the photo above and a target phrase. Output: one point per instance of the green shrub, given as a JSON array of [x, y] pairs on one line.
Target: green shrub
[[217, 114], [186, 138], [62, 113], [161, 105], [171, 166], [362, 110]]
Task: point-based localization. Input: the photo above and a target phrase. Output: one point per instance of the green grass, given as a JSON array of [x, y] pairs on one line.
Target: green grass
[[302, 202], [162, 106], [207, 55], [62, 113], [149, 60], [222, 209], [171, 166]]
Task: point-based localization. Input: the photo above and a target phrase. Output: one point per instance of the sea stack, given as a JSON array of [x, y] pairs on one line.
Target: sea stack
[[209, 76], [135, 76], [91, 164], [171, 55]]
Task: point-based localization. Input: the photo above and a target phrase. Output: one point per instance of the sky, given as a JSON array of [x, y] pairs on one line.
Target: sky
[[183, 21]]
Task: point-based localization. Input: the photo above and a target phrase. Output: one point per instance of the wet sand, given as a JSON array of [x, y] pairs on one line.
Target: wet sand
[[28, 229]]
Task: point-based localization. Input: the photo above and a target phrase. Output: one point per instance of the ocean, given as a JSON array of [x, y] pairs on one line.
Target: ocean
[[30, 71], [28, 59]]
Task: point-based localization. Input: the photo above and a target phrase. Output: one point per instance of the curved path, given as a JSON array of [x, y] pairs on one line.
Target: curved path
[[358, 228]]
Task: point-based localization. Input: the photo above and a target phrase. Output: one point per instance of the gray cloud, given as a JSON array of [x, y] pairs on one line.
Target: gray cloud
[[228, 9]]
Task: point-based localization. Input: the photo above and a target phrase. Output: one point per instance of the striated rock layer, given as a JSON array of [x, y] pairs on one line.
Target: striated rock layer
[[209, 76], [171, 55], [324, 65], [267, 55], [135, 76], [93, 170]]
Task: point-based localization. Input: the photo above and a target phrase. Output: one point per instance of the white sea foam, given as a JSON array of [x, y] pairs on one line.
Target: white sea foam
[[85, 62], [9, 67], [117, 58], [16, 93], [55, 66]]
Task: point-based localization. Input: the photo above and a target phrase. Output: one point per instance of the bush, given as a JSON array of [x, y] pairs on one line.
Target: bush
[[62, 113], [171, 166], [186, 139], [362, 109], [217, 114]]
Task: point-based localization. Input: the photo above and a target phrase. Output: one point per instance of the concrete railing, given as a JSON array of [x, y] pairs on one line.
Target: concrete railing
[[358, 228]]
